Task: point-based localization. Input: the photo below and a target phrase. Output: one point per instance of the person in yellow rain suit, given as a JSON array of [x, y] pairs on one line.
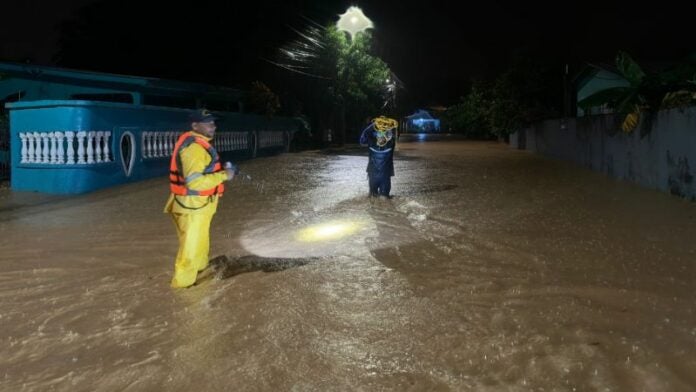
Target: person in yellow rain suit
[[196, 182]]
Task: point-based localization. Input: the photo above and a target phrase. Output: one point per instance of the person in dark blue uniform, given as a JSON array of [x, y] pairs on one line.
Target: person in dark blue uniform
[[379, 137]]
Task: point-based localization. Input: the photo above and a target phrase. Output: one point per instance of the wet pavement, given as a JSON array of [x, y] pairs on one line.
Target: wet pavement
[[490, 269]]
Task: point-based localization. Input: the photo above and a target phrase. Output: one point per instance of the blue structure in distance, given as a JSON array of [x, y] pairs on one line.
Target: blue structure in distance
[[421, 122]]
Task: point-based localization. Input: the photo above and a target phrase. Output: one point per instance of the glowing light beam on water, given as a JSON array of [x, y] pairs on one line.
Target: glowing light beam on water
[[327, 231]]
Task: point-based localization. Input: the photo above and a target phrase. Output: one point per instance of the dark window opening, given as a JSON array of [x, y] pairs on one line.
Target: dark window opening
[[220, 105], [169, 101], [116, 97]]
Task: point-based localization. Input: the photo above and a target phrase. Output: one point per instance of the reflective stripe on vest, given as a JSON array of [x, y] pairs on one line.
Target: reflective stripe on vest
[[177, 183]]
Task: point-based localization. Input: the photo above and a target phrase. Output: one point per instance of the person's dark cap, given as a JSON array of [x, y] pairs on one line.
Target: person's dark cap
[[202, 115]]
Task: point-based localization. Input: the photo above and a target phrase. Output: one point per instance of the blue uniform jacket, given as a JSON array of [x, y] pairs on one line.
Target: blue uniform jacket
[[381, 161]]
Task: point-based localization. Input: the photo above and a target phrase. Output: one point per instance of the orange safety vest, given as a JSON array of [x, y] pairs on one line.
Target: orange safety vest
[[177, 183]]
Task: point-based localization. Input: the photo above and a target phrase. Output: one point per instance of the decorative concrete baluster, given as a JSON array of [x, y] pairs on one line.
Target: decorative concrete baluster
[[175, 137], [53, 145], [147, 143], [70, 135], [165, 147], [155, 145], [160, 144], [143, 143], [163, 137], [60, 152], [98, 141], [30, 147], [81, 147], [170, 143], [37, 149], [24, 152], [107, 136], [46, 148], [90, 147], [153, 140]]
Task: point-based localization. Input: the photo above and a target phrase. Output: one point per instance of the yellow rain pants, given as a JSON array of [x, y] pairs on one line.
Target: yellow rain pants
[[194, 241]]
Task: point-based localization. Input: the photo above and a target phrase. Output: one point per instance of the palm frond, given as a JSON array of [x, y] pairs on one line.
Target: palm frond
[[629, 69]]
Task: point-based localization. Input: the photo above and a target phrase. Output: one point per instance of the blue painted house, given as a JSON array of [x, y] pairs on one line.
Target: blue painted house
[[74, 132]]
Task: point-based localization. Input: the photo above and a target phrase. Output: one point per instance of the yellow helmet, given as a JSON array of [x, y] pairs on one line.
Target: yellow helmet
[[385, 123]]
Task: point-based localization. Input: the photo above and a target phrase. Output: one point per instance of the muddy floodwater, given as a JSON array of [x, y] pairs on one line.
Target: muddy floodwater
[[490, 269]]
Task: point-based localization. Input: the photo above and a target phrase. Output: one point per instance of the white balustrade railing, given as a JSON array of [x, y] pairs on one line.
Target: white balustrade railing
[[271, 139], [159, 144], [231, 141], [65, 148], [92, 147]]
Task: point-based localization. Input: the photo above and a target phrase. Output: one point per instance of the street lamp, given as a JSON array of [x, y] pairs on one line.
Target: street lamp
[[354, 21]]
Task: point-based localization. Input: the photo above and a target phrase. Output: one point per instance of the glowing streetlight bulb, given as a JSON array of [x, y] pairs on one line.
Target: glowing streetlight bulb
[[354, 21]]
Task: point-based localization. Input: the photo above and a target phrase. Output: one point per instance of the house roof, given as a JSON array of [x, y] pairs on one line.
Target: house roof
[[589, 71], [422, 114], [114, 81]]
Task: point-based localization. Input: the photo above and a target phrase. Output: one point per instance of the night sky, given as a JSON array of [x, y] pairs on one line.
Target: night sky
[[435, 48]]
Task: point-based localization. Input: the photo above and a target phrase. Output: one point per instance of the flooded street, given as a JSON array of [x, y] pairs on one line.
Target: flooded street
[[490, 269]]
